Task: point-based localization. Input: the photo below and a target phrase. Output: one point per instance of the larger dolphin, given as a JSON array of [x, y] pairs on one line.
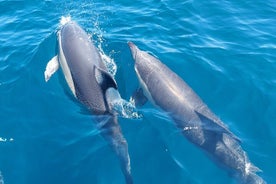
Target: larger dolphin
[[195, 120], [91, 84]]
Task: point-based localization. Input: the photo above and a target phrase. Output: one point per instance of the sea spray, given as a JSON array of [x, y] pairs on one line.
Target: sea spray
[[64, 20], [1, 178], [109, 63], [119, 106]]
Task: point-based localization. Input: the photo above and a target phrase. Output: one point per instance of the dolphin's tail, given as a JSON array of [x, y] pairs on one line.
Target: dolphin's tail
[[224, 147], [252, 178], [231, 154], [112, 133]]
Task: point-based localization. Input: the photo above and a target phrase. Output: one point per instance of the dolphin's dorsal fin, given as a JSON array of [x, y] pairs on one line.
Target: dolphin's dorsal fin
[[212, 125], [51, 68], [138, 97], [104, 79]]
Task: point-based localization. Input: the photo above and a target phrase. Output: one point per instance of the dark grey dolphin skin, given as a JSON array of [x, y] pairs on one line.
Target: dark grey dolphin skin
[[194, 119], [91, 83]]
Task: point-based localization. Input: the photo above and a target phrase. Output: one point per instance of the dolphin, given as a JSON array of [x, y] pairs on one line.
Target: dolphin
[[196, 121], [91, 84]]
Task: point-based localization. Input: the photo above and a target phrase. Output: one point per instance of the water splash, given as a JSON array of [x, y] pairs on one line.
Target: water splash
[[6, 140], [119, 106], [99, 36], [109, 63], [64, 20], [1, 178], [125, 109]]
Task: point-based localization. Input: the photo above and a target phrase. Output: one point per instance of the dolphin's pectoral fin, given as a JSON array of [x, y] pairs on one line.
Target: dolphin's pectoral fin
[[104, 79], [51, 68], [138, 98], [212, 126]]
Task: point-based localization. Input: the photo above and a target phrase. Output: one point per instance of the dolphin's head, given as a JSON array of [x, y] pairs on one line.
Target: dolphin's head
[[70, 27], [139, 62], [144, 62], [133, 49], [139, 57], [144, 67]]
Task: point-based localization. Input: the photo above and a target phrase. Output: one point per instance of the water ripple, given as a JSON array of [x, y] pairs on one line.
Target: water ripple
[[224, 49]]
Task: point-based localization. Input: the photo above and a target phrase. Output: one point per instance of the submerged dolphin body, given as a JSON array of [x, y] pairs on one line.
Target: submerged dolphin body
[[195, 120], [91, 84]]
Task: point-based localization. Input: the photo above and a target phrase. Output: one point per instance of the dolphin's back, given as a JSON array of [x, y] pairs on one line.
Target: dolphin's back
[[89, 81], [169, 91], [77, 48]]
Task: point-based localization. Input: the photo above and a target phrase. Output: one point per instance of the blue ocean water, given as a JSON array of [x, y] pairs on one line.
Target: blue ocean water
[[225, 50]]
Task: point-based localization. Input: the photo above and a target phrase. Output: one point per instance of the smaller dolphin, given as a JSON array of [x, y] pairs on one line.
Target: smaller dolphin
[[197, 123], [91, 84]]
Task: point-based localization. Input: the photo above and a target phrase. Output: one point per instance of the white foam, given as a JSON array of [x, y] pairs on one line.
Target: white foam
[[2, 139], [125, 109], [109, 63], [99, 38], [1, 178], [247, 168], [190, 128], [64, 20]]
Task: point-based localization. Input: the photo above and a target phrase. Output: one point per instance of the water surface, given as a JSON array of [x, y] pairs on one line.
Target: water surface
[[225, 50]]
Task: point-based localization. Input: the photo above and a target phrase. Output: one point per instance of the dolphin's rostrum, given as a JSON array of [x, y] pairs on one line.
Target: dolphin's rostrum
[[197, 123]]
